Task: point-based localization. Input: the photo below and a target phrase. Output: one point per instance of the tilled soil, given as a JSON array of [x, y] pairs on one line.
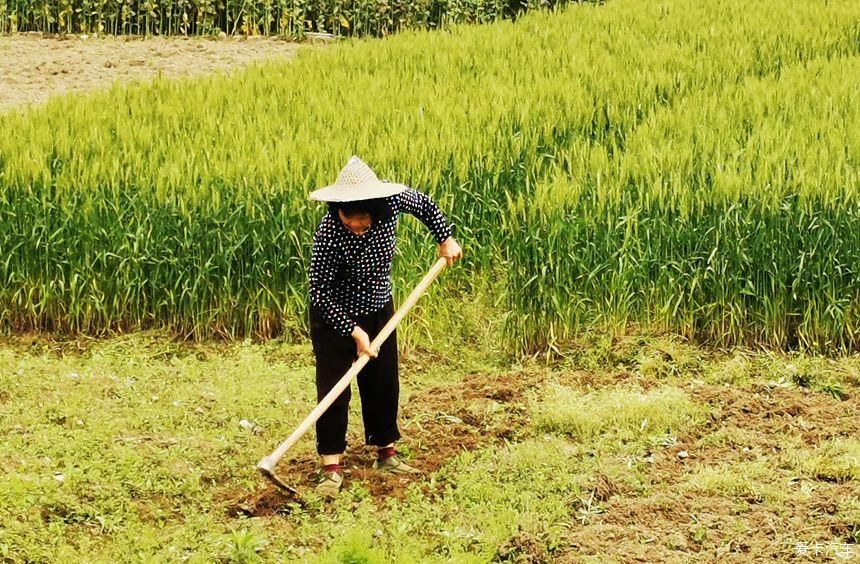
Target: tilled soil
[[668, 523], [664, 521], [34, 68], [439, 423]]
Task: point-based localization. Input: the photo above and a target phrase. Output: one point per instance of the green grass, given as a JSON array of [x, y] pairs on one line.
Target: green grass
[[748, 480], [620, 413], [837, 460], [121, 444], [668, 357]]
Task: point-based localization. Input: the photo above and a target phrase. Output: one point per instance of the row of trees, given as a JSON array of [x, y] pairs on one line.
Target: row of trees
[[293, 18]]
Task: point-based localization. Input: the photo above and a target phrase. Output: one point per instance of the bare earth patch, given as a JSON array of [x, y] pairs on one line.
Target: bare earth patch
[[34, 68], [669, 523], [439, 423]]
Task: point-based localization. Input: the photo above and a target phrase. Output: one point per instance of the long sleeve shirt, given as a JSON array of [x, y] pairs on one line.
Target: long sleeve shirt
[[350, 274]]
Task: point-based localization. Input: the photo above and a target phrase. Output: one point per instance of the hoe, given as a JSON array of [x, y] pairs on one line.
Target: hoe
[[267, 465]]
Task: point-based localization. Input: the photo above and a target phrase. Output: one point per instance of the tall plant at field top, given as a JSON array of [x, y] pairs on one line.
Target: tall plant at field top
[[671, 164], [267, 17]]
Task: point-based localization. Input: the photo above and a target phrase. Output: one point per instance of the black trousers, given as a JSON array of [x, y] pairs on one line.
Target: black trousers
[[378, 382]]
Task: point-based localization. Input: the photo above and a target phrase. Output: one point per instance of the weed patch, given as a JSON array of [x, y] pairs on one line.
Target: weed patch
[[616, 413]]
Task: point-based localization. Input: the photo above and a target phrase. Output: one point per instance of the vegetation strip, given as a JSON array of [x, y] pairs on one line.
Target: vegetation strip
[[293, 18]]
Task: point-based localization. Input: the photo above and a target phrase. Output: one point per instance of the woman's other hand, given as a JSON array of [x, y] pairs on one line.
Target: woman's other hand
[[450, 249]]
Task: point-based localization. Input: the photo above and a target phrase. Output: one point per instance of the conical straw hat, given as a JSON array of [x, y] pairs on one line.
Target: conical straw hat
[[355, 182]]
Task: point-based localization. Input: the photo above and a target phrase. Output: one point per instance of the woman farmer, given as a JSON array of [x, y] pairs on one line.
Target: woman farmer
[[350, 292]]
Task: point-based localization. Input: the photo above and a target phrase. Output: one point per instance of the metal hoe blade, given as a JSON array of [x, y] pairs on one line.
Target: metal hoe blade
[[275, 479]]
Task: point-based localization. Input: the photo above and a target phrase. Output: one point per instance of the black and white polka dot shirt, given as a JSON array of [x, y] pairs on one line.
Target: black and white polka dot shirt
[[351, 274]]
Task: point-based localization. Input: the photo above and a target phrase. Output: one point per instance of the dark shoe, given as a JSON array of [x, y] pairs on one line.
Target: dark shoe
[[394, 465]]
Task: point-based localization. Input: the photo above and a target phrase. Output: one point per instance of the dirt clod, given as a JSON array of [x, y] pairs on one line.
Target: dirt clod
[[264, 503], [604, 487], [523, 548]]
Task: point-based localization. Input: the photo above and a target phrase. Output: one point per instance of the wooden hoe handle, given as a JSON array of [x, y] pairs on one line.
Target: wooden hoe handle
[[267, 464]]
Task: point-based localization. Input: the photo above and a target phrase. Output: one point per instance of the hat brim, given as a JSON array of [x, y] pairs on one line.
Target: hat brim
[[366, 191]]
